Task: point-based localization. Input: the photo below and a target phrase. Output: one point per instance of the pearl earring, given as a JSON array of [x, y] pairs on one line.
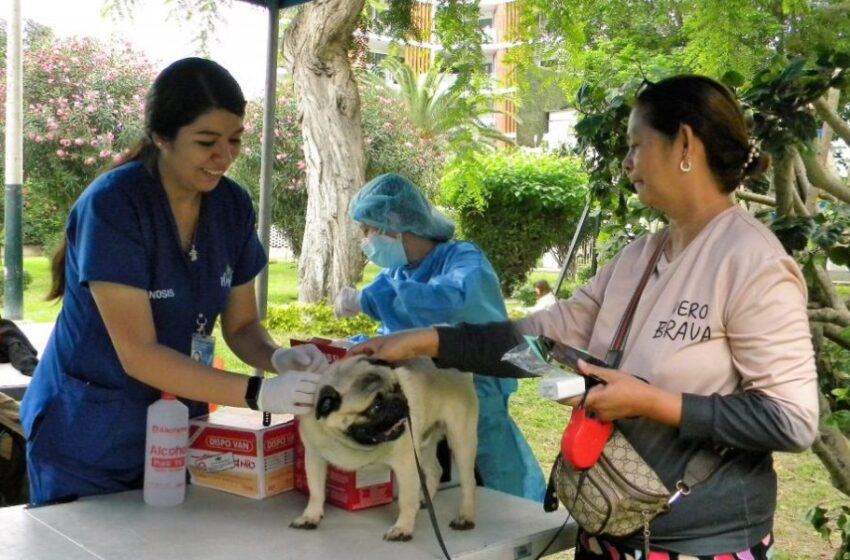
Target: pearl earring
[[685, 166]]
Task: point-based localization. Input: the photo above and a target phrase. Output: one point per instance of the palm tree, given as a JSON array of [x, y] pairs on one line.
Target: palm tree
[[440, 110]]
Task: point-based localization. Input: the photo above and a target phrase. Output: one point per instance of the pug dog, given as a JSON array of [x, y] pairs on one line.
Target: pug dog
[[361, 420]]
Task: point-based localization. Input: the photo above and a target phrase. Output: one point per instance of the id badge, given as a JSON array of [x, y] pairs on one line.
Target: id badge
[[203, 348]]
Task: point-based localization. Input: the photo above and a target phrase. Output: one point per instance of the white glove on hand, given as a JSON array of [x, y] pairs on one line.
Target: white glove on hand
[[347, 303], [291, 392], [305, 357]]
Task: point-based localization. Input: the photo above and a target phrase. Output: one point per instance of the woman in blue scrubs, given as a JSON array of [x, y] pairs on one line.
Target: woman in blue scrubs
[[155, 250], [429, 280]]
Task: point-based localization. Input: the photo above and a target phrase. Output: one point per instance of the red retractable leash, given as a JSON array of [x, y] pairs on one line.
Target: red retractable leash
[[584, 438]]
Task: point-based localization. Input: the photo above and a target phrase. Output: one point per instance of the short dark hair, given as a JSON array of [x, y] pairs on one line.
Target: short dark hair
[[543, 286], [714, 114]]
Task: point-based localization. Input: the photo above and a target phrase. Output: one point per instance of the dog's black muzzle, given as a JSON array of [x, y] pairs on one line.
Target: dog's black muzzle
[[386, 419]]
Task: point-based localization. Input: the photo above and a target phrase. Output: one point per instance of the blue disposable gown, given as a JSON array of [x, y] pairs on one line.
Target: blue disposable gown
[[456, 283]]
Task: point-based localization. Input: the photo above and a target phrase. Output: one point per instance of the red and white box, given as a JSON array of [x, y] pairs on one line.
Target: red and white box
[[349, 490], [231, 450]]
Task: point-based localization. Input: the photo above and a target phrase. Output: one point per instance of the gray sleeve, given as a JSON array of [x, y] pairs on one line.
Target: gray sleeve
[[747, 420]]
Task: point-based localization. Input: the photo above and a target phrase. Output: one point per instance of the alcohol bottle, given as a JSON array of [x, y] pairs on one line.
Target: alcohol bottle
[[166, 452]]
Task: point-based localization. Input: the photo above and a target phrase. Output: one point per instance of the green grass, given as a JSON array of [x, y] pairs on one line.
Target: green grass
[[803, 482]]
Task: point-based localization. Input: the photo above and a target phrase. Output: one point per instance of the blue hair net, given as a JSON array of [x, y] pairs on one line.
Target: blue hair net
[[393, 203]]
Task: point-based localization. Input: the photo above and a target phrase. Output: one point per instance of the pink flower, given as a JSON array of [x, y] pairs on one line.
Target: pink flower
[[79, 141], [60, 153], [105, 153], [89, 161], [301, 164]]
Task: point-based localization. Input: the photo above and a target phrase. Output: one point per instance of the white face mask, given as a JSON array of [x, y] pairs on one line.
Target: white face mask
[[384, 251]]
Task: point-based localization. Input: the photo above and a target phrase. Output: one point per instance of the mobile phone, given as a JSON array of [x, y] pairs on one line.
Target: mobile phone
[[569, 356]]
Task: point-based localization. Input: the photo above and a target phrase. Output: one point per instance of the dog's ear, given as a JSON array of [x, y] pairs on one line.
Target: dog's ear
[[329, 401]]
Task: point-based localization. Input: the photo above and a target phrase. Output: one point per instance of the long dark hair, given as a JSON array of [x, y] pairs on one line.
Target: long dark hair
[[181, 93], [715, 116]]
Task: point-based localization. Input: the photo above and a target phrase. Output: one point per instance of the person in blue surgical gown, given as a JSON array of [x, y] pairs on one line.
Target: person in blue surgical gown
[[427, 280]]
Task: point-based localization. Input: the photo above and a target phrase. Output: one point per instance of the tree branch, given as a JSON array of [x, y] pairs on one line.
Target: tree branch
[[804, 186], [783, 180], [829, 315], [828, 288], [799, 205], [753, 197], [833, 449], [824, 179], [833, 333], [833, 119]]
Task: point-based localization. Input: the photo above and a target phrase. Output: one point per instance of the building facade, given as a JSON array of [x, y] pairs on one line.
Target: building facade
[[545, 119]]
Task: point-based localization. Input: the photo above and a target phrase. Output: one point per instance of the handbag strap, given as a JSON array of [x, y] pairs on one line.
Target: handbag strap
[[706, 460], [615, 352]]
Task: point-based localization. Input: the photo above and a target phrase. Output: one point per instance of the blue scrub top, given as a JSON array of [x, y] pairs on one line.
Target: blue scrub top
[[83, 415]]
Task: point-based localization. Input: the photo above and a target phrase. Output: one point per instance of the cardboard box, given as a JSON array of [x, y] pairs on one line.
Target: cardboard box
[[349, 490], [231, 450]]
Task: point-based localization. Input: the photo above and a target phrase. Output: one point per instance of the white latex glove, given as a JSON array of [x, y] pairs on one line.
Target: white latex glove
[[305, 357], [347, 303], [291, 392]]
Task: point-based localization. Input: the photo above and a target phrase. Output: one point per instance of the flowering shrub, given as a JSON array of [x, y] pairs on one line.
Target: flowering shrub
[[83, 105], [391, 145]]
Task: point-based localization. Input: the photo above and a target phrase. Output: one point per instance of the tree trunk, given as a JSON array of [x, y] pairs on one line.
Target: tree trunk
[[316, 51]]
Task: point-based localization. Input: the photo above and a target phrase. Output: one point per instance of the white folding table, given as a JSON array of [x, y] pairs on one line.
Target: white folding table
[[213, 525]]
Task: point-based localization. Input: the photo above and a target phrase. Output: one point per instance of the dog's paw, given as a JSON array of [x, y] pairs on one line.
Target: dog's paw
[[305, 522], [397, 534], [462, 524]]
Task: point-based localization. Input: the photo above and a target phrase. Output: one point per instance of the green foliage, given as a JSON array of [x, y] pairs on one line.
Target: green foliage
[[456, 28], [317, 319], [827, 522], [394, 144], [516, 205], [609, 42], [43, 219], [525, 294], [83, 107], [780, 95], [390, 146], [527, 297], [288, 193]]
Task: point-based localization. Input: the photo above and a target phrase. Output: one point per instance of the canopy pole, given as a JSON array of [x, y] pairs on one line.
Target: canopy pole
[[267, 158], [13, 251]]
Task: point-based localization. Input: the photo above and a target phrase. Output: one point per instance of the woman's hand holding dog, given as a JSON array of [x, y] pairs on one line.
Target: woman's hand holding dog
[[400, 346], [304, 357], [622, 395], [291, 392]]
